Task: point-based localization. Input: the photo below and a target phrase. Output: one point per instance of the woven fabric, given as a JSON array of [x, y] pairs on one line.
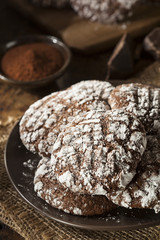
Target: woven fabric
[[31, 225]]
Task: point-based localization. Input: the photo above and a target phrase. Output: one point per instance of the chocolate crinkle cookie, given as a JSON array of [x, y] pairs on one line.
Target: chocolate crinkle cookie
[[99, 147], [106, 11], [54, 193], [141, 100], [44, 119], [50, 3], [144, 189], [95, 155]]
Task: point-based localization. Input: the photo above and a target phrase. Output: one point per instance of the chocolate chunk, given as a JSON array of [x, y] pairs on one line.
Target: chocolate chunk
[[121, 62], [152, 43]]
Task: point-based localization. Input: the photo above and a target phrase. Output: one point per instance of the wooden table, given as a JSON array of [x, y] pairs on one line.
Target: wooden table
[[14, 101]]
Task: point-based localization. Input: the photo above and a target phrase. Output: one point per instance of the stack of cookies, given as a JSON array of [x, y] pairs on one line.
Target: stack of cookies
[[100, 147]]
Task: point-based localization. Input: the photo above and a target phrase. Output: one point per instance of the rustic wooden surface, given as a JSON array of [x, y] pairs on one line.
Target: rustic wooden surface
[[85, 35], [14, 101]]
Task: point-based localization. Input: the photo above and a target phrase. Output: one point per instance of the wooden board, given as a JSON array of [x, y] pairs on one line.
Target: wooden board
[[82, 34]]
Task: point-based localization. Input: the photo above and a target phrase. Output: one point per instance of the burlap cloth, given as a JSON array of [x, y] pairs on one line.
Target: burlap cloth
[[17, 214]]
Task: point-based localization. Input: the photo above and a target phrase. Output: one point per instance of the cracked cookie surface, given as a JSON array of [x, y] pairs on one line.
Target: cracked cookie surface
[[99, 153], [144, 189], [141, 100], [49, 189], [42, 122]]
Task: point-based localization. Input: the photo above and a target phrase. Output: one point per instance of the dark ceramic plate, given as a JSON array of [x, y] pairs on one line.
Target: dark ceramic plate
[[21, 164]]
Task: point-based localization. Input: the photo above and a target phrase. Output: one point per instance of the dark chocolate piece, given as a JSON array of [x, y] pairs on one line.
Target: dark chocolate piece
[[152, 43], [121, 62]]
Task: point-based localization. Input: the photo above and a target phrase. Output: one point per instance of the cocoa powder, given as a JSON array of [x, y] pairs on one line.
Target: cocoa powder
[[30, 62]]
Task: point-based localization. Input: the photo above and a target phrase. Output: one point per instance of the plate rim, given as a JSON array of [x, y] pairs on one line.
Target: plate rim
[[41, 212]]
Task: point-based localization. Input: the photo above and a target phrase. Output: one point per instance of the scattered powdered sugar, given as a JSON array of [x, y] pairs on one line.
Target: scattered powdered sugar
[[31, 164]]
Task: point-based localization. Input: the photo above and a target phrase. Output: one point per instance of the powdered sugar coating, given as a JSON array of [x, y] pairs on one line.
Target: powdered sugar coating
[[99, 153], [142, 100], [44, 119], [105, 11], [47, 188], [96, 89], [144, 189]]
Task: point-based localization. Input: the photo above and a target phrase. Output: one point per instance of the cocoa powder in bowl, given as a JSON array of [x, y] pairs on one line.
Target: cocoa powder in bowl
[[30, 62]]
